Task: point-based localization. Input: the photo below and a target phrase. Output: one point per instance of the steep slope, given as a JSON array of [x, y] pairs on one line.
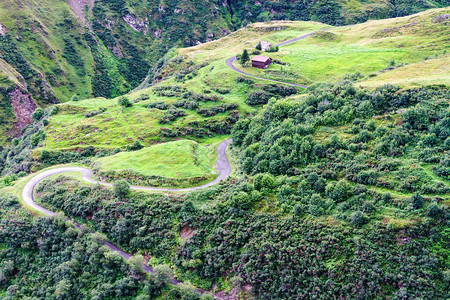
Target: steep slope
[[209, 96], [105, 48]]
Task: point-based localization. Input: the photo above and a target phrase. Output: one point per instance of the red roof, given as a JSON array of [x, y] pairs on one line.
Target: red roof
[[260, 58]]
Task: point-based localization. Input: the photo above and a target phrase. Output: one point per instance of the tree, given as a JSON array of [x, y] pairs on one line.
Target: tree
[[338, 192], [258, 46], [162, 274], [121, 188], [244, 57], [124, 102], [136, 263], [264, 183]]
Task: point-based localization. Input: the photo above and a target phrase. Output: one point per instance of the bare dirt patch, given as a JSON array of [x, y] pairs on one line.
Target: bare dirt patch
[[186, 233], [78, 6], [23, 106]]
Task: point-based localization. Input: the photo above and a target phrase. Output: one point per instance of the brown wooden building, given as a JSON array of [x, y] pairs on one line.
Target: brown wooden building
[[259, 61]]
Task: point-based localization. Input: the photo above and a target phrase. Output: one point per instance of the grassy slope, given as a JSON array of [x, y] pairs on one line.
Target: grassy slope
[[368, 48], [354, 48], [315, 59], [115, 128], [41, 28], [179, 159]]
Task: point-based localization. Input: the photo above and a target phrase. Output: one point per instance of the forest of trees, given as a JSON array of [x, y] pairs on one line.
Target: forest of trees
[[343, 194]]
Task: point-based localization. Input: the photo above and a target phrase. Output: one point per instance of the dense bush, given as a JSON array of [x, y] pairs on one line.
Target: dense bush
[[214, 110], [258, 97], [171, 115], [158, 105], [124, 102], [65, 263]]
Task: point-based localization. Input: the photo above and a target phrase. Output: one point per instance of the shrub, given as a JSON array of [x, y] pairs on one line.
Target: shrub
[[240, 79], [358, 218], [124, 102], [135, 147], [258, 97], [92, 113], [121, 188], [416, 201], [223, 91], [37, 115], [53, 110], [136, 262], [365, 109], [273, 49], [158, 105], [264, 183], [142, 97], [386, 198], [433, 210], [339, 191], [75, 98]]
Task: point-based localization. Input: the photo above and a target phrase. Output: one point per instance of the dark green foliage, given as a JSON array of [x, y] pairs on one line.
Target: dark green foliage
[[267, 91], [135, 147], [75, 98], [433, 210], [37, 115], [416, 201], [121, 188], [95, 112], [186, 104], [358, 218], [273, 49], [258, 97], [264, 183], [171, 115], [65, 263], [158, 105], [10, 53], [214, 110], [70, 53], [124, 102], [244, 57], [338, 192]]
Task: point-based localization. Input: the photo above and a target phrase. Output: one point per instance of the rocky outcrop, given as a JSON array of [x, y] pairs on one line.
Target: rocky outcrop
[[135, 23], [23, 106]]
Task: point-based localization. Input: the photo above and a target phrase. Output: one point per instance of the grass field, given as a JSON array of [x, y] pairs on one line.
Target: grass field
[[366, 48], [179, 159], [408, 51]]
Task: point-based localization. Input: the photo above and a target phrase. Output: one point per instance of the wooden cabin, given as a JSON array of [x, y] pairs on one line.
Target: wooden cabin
[[261, 62]]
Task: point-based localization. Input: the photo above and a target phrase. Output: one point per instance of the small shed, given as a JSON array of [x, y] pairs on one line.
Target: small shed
[[264, 45], [261, 62]]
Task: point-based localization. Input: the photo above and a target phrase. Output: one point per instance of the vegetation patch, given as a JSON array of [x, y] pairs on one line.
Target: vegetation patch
[[180, 160]]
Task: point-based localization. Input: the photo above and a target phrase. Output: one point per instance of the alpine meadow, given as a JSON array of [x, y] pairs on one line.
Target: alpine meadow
[[271, 149]]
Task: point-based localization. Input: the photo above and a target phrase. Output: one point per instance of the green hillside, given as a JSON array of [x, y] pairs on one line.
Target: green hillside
[[356, 52], [339, 189], [107, 48]]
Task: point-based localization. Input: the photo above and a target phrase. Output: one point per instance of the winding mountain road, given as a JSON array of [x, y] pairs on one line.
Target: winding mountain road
[[222, 165]]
